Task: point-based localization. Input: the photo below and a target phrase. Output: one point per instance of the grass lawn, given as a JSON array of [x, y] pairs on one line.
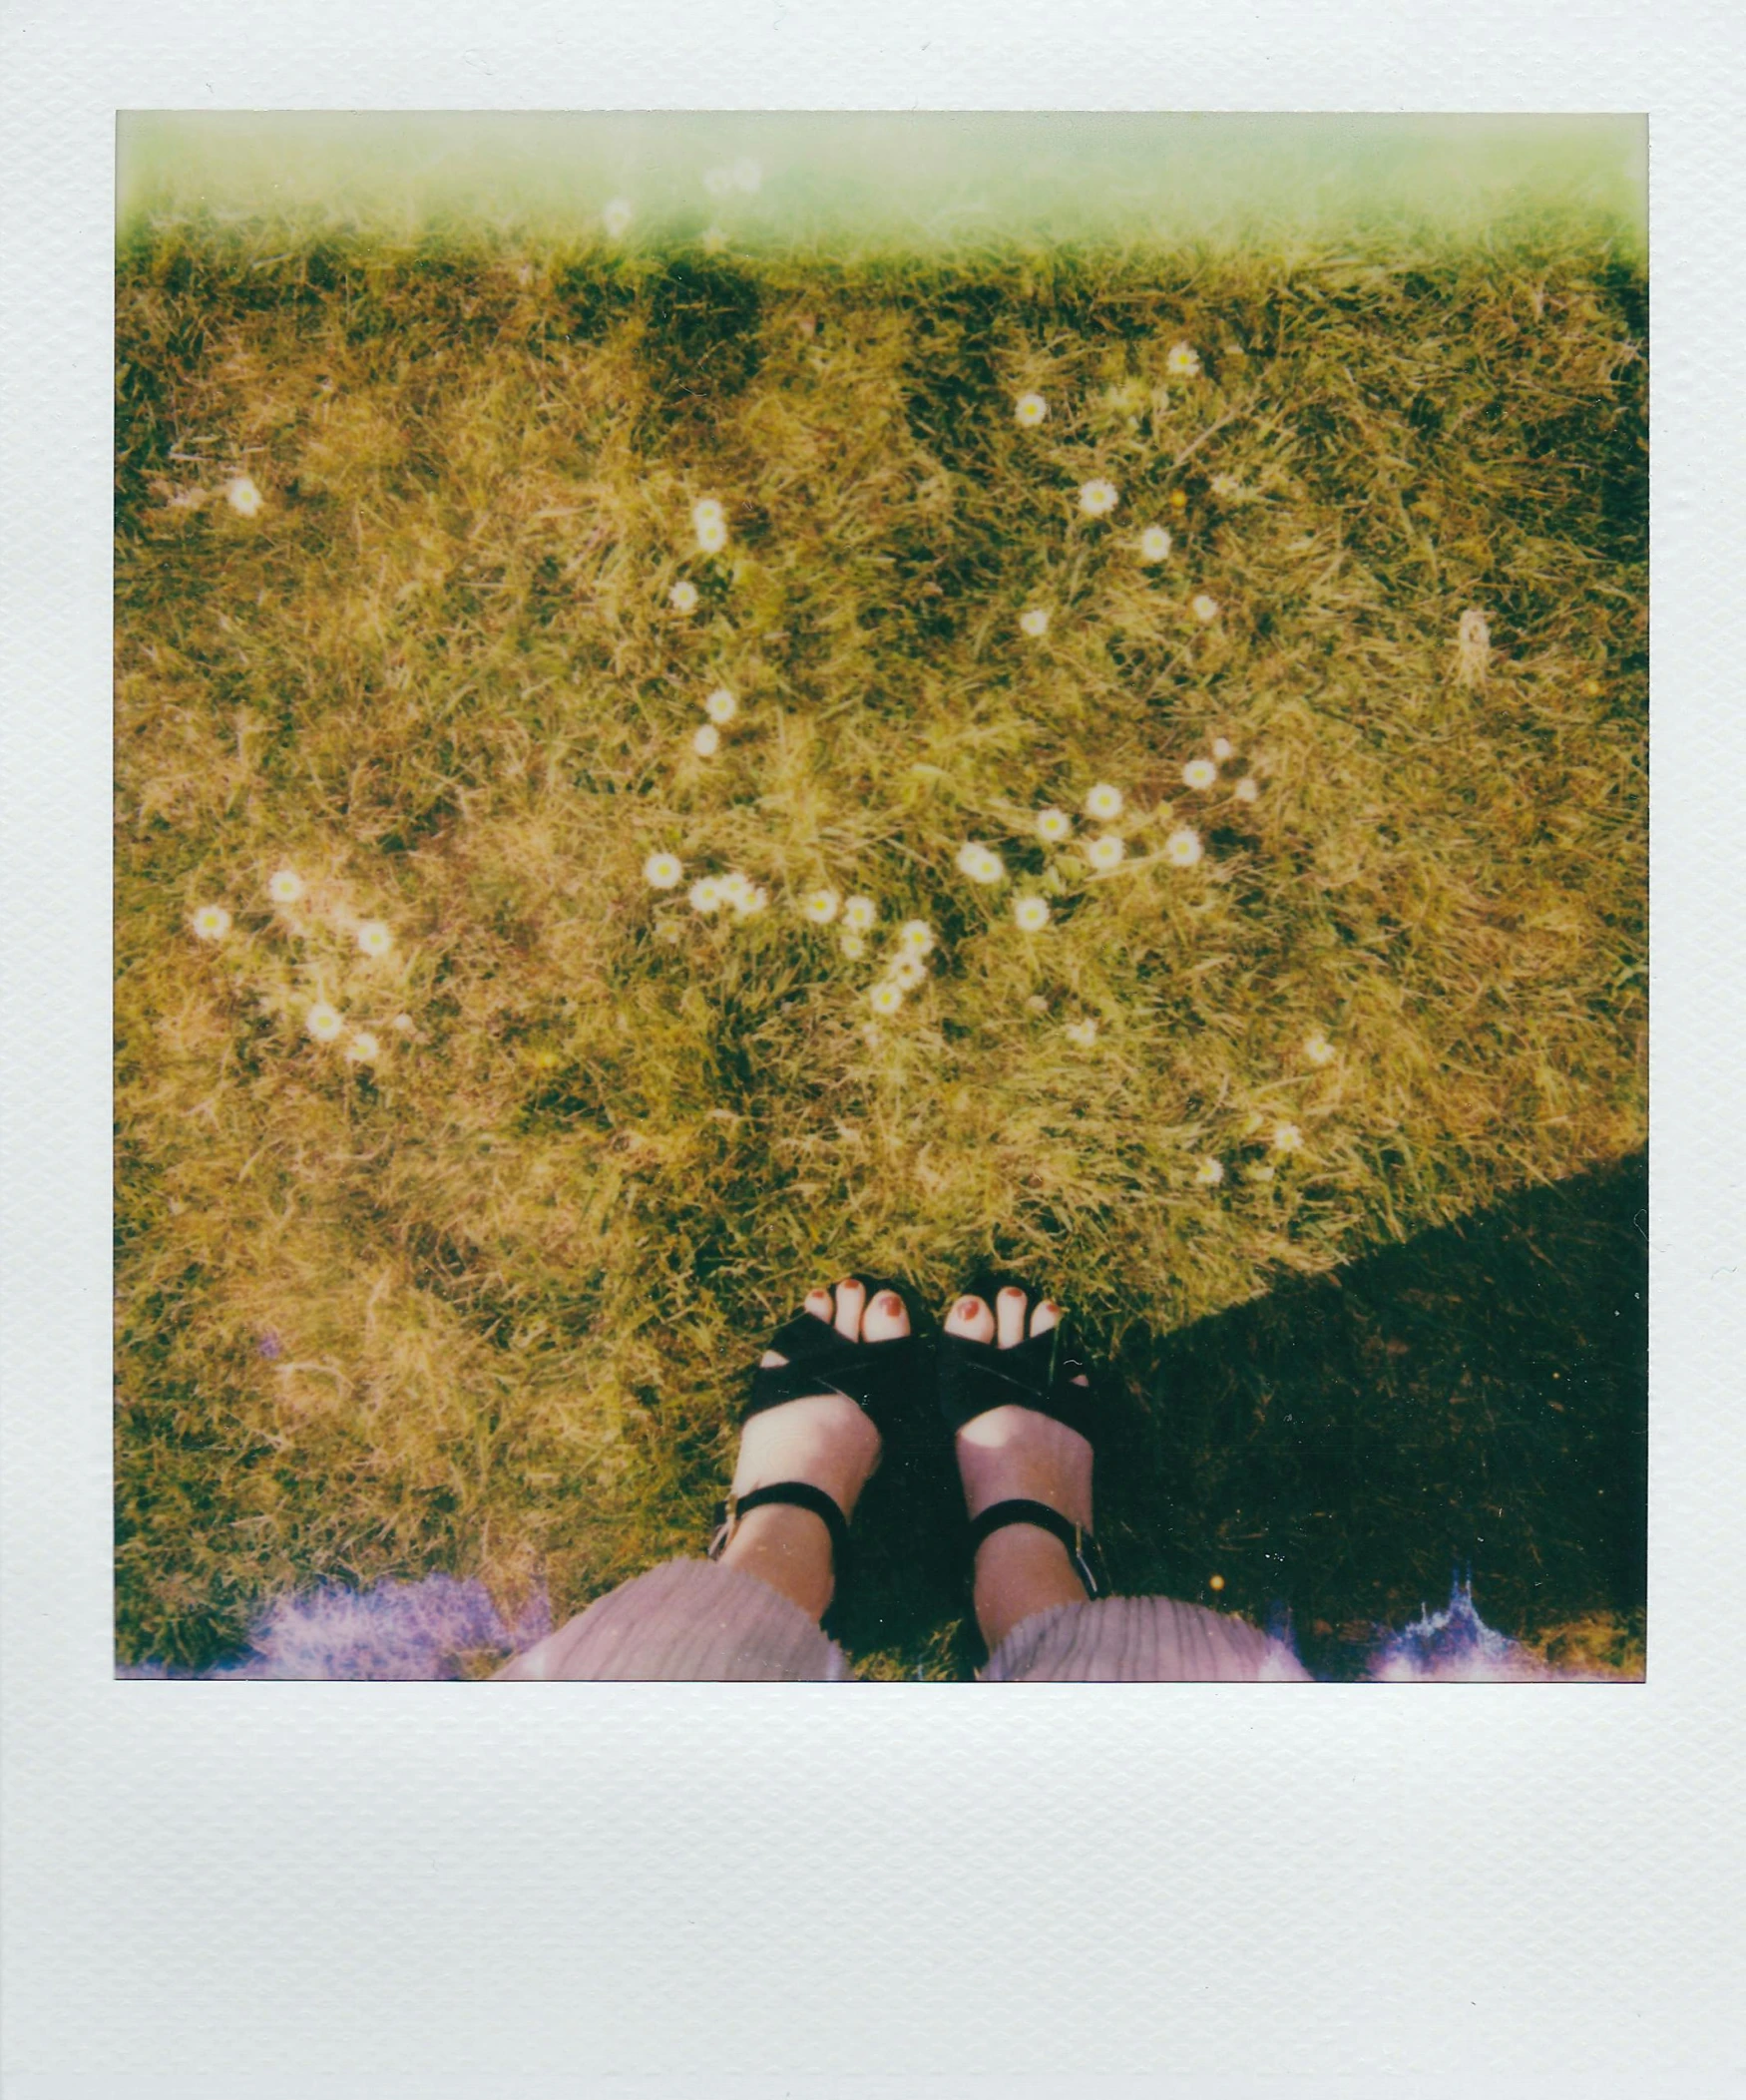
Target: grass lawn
[[461, 1165]]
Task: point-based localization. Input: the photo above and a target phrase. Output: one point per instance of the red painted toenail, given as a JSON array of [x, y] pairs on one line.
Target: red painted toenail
[[968, 1308], [890, 1302]]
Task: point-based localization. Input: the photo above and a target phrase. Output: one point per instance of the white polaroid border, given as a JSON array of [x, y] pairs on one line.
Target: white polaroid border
[[662, 1889]]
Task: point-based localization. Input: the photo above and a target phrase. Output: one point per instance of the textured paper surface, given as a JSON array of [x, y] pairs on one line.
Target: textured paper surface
[[276, 1889]]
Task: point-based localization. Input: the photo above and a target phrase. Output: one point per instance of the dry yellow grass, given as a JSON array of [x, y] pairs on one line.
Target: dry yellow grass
[[480, 1299]]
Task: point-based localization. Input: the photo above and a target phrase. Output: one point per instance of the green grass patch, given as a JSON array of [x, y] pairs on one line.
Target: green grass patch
[[471, 1284]]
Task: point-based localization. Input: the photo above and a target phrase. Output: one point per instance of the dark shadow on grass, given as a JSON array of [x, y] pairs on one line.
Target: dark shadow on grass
[[1474, 1400]]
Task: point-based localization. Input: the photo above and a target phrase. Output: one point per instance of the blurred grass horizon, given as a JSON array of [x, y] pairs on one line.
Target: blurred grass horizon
[[918, 179]]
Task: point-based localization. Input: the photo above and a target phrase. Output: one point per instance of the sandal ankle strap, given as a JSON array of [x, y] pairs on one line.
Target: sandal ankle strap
[[803, 1495], [1080, 1545]]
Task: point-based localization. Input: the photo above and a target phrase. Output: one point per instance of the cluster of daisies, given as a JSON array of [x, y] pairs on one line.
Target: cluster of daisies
[[322, 1021], [1107, 851], [1098, 497]]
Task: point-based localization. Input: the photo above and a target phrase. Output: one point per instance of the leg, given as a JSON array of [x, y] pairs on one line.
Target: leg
[[1016, 1451], [1032, 1610]]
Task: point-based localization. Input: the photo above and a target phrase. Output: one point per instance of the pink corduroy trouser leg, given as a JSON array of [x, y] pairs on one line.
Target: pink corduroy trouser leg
[[694, 1619]]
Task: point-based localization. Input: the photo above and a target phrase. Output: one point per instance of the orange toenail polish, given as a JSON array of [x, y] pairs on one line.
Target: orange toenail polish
[[890, 1302], [968, 1308]]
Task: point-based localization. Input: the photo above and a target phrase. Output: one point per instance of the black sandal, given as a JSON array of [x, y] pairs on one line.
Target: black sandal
[[879, 1376], [1038, 1372]]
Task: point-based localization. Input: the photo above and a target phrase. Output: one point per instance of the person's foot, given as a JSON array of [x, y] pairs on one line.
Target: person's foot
[[826, 1441], [1017, 1453]]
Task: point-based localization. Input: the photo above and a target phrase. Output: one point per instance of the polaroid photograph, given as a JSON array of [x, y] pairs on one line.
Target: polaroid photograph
[[828, 883]]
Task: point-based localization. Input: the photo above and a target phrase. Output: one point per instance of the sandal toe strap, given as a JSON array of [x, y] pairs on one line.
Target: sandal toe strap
[[1038, 1373], [874, 1375]]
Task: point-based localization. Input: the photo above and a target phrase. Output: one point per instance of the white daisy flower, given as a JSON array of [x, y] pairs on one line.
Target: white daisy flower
[[1103, 802], [915, 937], [363, 1048], [853, 947], [885, 997], [323, 1022], [821, 906], [1032, 914], [721, 706], [1203, 607], [662, 871], [1037, 1003], [1226, 487], [1029, 410], [1223, 748], [1184, 361], [1287, 1137], [859, 914], [1199, 772], [402, 1021], [706, 740], [1054, 825], [1317, 1048], [1106, 853], [709, 523], [733, 889], [615, 217], [210, 923], [1084, 1032], [906, 972], [704, 894], [1473, 644], [1247, 788], [1034, 623], [1209, 1174], [979, 862], [1182, 848], [756, 899], [243, 496], [1097, 498], [683, 596], [375, 937], [1155, 544], [286, 887]]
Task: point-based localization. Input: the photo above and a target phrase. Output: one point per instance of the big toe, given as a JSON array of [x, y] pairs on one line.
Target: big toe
[[884, 1319], [971, 1319]]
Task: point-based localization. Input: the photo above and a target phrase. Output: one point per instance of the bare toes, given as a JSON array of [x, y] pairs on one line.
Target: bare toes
[[1044, 1315], [1010, 1317], [851, 1297], [971, 1318], [884, 1319]]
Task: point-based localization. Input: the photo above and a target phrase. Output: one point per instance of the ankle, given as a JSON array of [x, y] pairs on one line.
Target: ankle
[[1021, 1570], [787, 1548]]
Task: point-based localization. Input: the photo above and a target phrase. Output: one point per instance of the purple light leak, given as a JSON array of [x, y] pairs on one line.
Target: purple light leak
[[1455, 1646], [395, 1630], [421, 1630]]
